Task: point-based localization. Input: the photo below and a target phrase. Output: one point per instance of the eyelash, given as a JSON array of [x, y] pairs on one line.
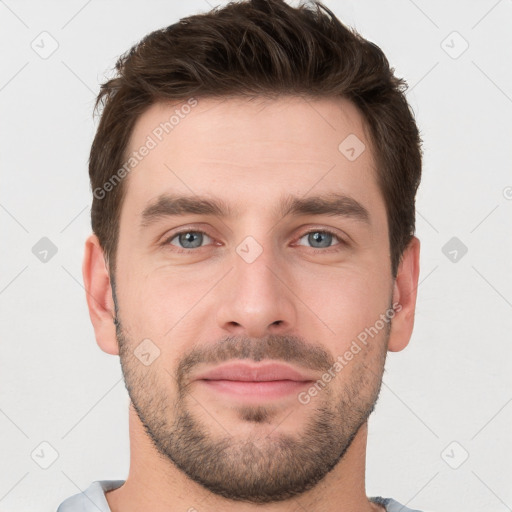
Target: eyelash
[[330, 249]]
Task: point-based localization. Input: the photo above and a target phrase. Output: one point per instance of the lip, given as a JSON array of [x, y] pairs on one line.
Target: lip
[[253, 383], [244, 372]]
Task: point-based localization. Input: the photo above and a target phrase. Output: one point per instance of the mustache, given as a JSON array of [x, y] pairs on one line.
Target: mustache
[[288, 349]]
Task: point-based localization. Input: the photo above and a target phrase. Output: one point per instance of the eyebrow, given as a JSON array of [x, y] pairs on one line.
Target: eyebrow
[[335, 205]]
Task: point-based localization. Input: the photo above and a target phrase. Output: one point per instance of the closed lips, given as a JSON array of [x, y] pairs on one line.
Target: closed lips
[[252, 373]]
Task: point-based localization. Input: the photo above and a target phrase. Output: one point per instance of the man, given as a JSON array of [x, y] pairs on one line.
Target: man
[[253, 259]]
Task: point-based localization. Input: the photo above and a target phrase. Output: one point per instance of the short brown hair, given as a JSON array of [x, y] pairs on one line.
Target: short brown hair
[[259, 48]]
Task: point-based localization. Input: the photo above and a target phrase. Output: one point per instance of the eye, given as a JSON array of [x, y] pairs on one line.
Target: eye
[[318, 239], [321, 239], [188, 239]]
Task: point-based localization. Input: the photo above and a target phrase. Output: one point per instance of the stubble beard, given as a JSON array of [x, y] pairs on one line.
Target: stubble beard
[[258, 470]]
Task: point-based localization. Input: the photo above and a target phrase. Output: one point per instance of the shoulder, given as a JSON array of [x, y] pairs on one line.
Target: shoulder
[[92, 499], [393, 505]]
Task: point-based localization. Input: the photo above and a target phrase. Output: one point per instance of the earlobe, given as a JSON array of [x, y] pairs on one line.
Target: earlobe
[[99, 296], [404, 297]]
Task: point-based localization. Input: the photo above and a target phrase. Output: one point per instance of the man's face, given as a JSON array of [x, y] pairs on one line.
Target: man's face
[[255, 286]]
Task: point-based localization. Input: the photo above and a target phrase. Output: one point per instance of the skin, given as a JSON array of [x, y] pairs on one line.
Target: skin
[[250, 154]]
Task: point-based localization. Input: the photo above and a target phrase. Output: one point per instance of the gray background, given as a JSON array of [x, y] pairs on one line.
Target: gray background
[[446, 397]]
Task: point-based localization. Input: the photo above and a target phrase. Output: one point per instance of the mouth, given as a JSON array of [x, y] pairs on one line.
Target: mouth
[[255, 382], [256, 390]]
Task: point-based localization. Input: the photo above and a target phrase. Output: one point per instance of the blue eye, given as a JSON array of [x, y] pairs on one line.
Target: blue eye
[[320, 239], [189, 239]]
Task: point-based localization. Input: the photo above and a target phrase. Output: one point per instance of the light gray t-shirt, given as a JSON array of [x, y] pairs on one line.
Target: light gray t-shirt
[[93, 499]]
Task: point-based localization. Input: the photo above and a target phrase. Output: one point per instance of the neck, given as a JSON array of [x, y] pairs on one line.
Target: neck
[[155, 483]]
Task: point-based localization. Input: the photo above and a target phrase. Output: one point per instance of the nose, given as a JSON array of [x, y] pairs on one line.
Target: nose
[[256, 297]]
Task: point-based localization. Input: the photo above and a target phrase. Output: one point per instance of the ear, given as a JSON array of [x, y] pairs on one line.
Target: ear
[[404, 297], [99, 296]]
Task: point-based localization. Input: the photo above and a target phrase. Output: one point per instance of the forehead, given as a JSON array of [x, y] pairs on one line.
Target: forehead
[[247, 151]]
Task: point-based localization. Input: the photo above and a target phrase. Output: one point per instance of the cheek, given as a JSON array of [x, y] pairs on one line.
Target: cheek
[[157, 319], [161, 304], [347, 301]]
